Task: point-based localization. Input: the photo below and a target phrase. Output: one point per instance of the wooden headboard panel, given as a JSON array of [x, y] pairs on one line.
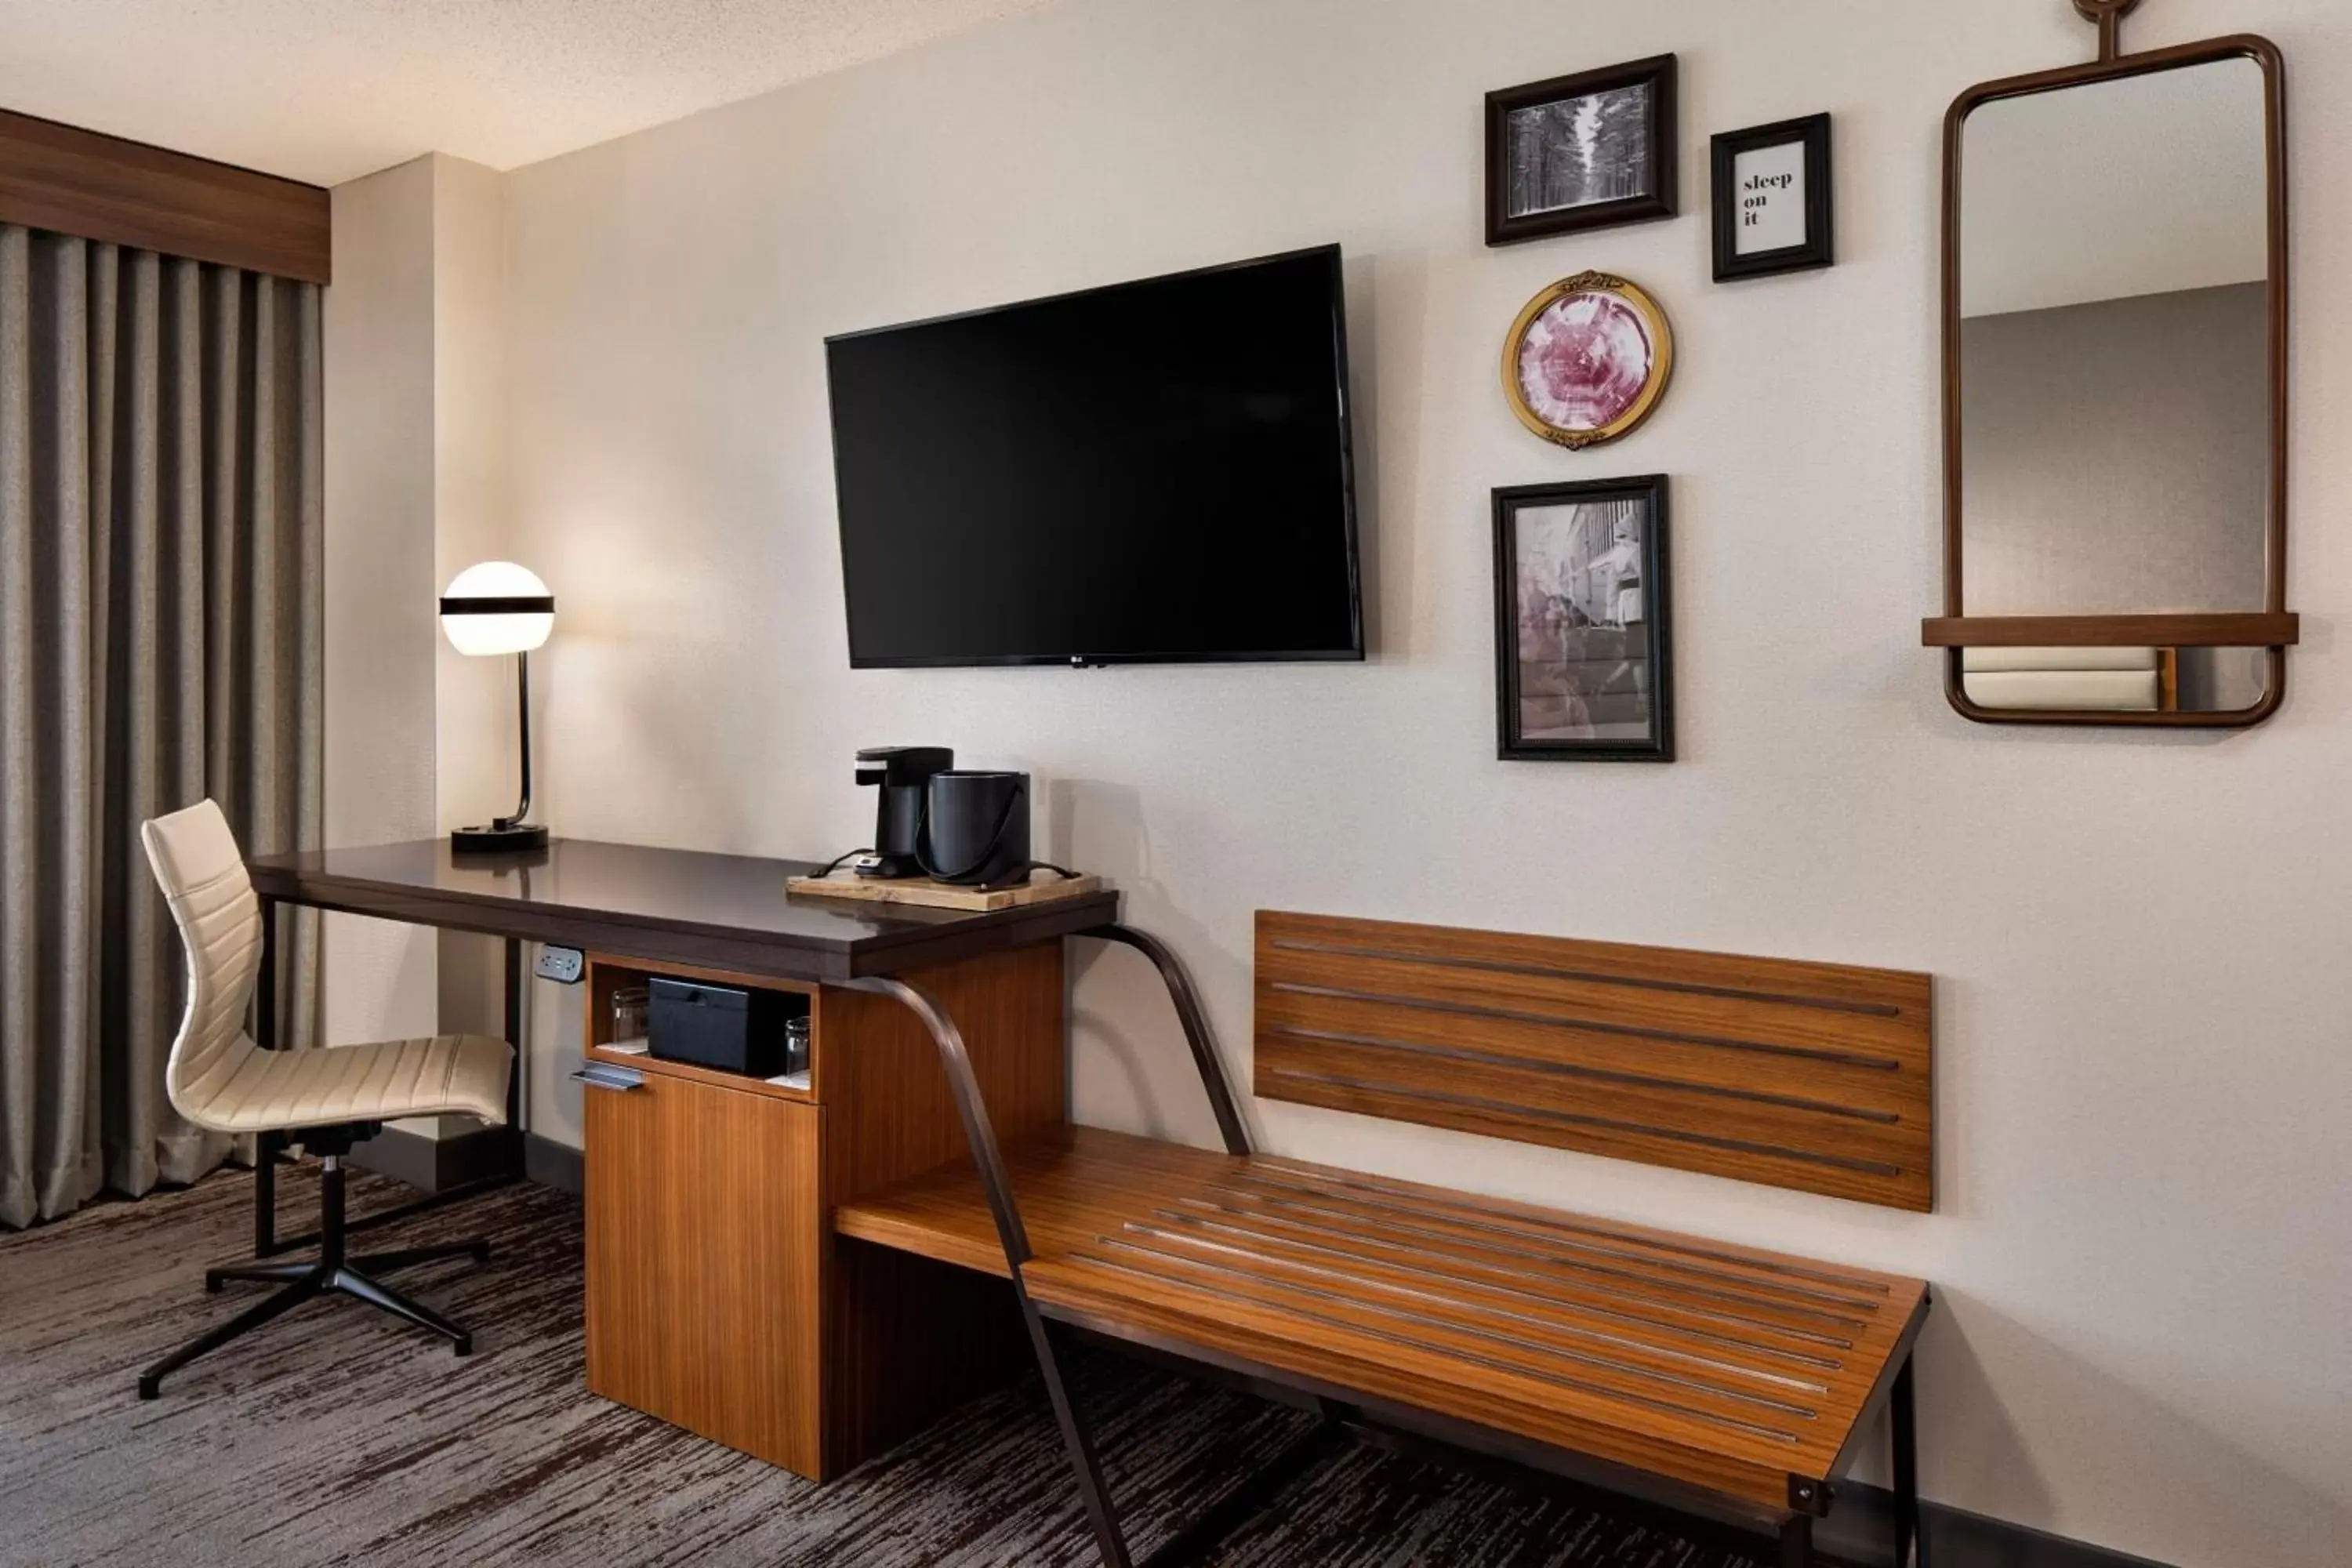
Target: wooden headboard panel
[[1812, 1075]]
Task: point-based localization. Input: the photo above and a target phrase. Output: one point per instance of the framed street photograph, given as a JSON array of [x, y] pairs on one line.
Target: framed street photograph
[[1583, 648], [1774, 204], [1579, 151]]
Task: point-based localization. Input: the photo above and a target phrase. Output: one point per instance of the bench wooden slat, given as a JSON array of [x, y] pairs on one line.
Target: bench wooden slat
[[1817, 1077], [1540, 1342], [1665, 1243], [1252, 1340], [1764, 1329], [1862, 1084], [1436, 1229], [1830, 1138], [1630, 1325], [1494, 956], [1722, 1367], [1867, 1035]]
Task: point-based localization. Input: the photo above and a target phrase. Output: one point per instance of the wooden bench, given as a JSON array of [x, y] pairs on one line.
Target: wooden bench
[[1718, 1380]]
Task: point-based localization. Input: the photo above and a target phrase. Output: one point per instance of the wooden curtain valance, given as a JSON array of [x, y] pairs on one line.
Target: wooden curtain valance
[[81, 182]]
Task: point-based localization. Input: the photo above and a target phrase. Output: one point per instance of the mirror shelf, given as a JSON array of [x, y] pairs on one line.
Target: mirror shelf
[[2253, 630]]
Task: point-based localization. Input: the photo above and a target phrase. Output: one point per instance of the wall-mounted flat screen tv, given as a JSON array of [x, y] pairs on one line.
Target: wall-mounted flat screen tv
[[1156, 471]]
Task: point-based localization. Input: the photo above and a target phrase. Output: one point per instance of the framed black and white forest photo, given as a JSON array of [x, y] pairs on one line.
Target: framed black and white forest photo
[[1583, 652], [1774, 206], [1587, 151]]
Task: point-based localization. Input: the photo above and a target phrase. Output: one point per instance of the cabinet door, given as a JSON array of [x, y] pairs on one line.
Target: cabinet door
[[704, 1246]]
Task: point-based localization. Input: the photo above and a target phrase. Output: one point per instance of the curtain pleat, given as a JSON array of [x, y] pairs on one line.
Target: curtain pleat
[[161, 484]]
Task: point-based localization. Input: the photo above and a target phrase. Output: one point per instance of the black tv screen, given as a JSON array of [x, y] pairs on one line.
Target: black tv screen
[[1153, 471]]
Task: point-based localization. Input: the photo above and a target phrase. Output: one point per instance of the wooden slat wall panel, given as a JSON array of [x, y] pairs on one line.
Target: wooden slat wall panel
[[76, 181], [1818, 1076]]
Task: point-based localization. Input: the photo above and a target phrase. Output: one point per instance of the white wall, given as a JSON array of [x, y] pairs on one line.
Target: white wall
[[377, 978], [2140, 1246], [474, 698], [2146, 184], [419, 736]]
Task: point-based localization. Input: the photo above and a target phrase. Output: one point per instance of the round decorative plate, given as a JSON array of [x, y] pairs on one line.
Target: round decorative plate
[[1586, 360]]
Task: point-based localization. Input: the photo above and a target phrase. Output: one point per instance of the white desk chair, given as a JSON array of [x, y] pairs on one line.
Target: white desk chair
[[326, 1099]]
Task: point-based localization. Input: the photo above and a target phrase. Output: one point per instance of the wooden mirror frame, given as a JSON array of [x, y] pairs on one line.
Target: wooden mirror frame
[[2273, 629]]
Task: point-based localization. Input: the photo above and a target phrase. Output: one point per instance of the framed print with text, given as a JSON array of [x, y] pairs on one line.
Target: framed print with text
[[1774, 203]]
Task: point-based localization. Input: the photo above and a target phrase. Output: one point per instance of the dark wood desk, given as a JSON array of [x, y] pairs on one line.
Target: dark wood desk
[[717, 1297], [722, 911]]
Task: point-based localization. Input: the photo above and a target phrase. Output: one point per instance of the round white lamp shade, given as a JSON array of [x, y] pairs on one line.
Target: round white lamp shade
[[507, 621]]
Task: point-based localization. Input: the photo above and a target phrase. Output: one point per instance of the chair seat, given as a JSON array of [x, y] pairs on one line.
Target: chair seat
[[271, 1090]]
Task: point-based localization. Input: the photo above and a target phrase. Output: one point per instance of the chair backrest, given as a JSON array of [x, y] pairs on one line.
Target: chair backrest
[[202, 872]]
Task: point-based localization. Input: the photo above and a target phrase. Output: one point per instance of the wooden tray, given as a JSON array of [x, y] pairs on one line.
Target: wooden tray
[[942, 895]]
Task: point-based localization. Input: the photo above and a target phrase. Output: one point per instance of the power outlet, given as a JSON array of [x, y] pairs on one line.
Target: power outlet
[[562, 965]]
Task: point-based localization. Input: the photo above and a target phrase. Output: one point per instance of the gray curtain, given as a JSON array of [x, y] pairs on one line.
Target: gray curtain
[[160, 641]]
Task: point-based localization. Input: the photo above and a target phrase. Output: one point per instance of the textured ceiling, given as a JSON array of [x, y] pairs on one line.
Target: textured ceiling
[[329, 90]]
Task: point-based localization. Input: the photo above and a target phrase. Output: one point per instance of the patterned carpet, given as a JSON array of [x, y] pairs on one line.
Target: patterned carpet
[[337, 1435]]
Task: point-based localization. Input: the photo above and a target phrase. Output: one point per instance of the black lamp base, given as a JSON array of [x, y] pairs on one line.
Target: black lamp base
[[498, 838]]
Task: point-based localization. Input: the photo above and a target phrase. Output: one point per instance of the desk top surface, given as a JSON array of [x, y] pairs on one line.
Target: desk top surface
[[630, 900]]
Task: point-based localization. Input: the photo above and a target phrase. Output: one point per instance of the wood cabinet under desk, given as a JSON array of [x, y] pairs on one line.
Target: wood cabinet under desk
[[717, 1297]]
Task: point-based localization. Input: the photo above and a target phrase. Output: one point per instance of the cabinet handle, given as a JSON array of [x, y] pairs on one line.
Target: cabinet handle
[[598, 1075]]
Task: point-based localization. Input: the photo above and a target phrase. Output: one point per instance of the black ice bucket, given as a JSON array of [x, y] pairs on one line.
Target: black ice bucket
[[977, 823]]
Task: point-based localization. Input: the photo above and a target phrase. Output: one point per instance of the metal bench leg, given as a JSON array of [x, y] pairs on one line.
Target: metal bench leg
[[1101, 1513], [1797, 1541], [981, 1133], [1902, 1412], [1109, 1540], [1195, 1020]]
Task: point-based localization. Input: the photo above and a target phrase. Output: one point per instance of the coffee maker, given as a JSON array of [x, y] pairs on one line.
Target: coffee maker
[[904, 774], [955, 825]]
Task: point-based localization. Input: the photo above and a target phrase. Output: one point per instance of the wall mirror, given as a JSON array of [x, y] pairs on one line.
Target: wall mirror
[[2114, 389]]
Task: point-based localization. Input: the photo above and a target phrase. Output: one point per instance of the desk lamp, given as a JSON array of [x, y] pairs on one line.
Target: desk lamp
[[493, 608]]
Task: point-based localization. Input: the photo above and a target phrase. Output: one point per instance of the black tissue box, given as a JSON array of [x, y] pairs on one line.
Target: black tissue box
[[721, 1026]]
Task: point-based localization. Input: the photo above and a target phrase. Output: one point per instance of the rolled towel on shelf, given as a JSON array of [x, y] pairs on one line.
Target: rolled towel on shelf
[[1990, 660], [2111, 690]]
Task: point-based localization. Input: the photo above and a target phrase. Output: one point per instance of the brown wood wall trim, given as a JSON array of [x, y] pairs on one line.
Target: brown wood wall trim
[[82, 183], [1812, 1075]]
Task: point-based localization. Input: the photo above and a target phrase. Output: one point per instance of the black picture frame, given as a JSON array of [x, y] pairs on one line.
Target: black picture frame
[[1660, 199], [1819, 247], [1513, 742]]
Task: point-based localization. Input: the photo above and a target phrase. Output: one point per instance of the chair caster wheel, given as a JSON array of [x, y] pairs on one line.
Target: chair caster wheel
[[150, 1388], [212, 1283], [466, 1346]]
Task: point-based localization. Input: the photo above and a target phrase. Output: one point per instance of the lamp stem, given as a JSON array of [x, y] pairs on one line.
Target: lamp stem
[[523, 710]]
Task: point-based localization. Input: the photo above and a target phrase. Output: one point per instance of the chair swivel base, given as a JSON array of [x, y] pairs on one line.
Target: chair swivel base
[[305, 1280], [332, 1274]]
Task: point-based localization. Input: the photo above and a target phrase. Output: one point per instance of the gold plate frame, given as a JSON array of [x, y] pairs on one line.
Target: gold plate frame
[[1661, 340]]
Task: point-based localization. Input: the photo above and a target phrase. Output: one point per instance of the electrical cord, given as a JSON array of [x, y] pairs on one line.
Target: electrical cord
[[1014, 875], [830, 867]]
